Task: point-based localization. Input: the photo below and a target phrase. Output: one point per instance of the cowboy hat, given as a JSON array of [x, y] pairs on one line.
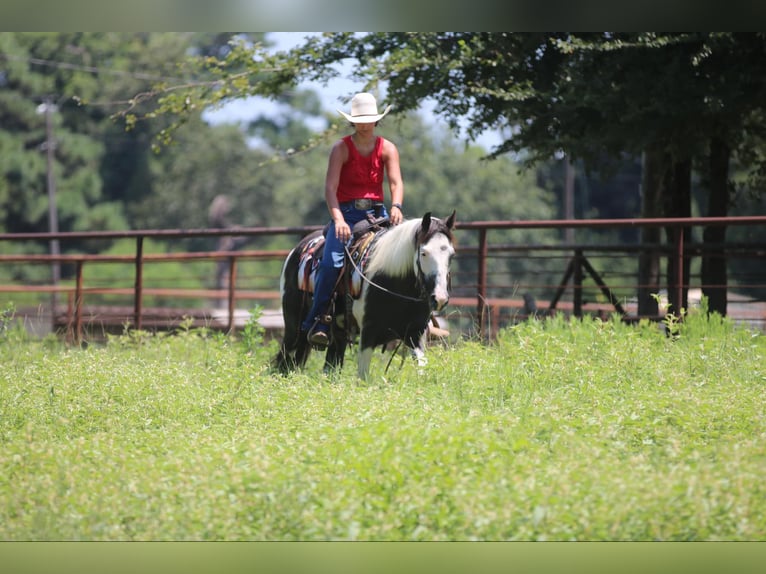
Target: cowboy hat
[[364, 110]]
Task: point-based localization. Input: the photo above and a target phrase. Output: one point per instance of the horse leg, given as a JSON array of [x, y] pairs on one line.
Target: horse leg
[[418, 352], [282, 361], [364, 356], [293, 351], [302, 352], [419, 356], [363, 364], [301, 347], [336, 351]]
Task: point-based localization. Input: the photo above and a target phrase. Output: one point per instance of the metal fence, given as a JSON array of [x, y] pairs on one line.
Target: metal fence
[[505, 272]]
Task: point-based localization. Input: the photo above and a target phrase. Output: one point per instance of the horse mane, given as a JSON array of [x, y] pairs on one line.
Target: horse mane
[[394, 250]]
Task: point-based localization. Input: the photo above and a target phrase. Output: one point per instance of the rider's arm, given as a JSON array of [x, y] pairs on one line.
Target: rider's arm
[[395, 183], [338, 156]]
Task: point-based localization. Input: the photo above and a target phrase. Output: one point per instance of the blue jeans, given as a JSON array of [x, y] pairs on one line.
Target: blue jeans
[[332, 261]]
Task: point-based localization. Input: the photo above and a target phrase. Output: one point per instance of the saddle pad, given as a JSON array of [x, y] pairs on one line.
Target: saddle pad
[[308, 263], [360, 251]]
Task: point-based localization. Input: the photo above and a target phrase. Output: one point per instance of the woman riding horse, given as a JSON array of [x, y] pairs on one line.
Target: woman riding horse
[[353, 192], [395, 286]]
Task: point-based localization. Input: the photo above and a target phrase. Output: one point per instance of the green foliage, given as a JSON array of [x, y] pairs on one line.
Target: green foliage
[[252, 333], [6, 317], [549, 93], [591, 95], [100, 170], [12, 331], [583, 430], [594, 96], [107, 177]]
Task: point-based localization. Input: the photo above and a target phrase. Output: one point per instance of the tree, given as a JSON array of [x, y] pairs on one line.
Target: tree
[[27, 82], [99, 167], [596, 96]]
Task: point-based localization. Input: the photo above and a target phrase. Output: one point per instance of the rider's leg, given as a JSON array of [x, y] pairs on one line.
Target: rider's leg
[[327, 276]]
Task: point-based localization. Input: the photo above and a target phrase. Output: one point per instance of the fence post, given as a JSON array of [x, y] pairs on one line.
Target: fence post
[[232, 290], [481, 293], [577, 295], [139, 285], [679, 267], [78, 303]]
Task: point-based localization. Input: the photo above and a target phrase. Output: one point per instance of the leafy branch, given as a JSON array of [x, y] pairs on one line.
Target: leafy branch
[[246, 70]]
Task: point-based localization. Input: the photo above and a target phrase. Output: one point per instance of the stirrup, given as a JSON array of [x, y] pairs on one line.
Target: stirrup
[[319, 337]]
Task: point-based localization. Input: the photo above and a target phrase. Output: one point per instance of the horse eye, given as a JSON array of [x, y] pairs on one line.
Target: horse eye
[[424, 253]]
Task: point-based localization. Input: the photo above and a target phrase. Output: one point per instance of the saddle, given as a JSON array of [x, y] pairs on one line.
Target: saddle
[[349, 284], [349, 280]]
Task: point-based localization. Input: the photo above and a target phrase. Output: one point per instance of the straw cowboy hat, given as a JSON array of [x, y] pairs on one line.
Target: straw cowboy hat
[[364, 110]]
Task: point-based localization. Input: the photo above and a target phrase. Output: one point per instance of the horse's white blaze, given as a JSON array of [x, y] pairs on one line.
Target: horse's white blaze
[[434, 261]]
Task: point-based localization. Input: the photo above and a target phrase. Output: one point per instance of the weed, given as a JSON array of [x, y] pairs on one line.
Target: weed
[[6, 317], [11, 329], [253, 331]]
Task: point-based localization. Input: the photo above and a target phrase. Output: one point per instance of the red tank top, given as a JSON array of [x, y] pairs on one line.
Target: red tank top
[[361, 177]]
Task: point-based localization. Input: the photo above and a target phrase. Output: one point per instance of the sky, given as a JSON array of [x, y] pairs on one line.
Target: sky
[[331, 95], [248, 108]]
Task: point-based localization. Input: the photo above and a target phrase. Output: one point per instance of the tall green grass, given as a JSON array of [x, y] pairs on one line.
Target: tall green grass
[[583, 430]]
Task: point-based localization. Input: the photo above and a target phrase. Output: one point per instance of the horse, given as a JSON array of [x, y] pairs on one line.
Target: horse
[[400, 277]]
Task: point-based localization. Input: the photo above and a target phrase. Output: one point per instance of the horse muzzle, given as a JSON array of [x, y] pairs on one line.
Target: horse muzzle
[[439, 302]]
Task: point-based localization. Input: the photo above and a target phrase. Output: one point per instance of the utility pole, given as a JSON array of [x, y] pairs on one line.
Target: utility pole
[[48, 108]]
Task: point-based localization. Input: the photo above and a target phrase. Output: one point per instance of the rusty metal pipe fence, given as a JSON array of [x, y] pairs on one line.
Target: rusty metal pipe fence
[[495, 282]]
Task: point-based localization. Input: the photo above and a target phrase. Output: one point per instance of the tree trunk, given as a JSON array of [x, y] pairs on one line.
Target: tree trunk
[[678, 204], [714, 277], [651, 206]]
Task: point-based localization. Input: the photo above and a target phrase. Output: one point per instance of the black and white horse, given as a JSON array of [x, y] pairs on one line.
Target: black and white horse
[[395, 286]]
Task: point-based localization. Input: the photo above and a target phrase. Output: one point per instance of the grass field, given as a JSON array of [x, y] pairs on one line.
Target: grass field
[[587, 430]]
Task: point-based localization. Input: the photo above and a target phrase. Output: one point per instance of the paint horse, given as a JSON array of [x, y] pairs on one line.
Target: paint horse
[[387, 291]]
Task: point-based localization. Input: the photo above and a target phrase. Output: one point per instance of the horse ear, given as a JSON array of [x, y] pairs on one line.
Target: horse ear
[[451, 220], [426, 222]]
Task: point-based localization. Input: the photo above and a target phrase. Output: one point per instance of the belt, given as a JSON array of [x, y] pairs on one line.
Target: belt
[[362, 204]]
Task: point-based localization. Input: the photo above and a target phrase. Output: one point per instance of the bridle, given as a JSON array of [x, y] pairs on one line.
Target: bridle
[[420, 279]]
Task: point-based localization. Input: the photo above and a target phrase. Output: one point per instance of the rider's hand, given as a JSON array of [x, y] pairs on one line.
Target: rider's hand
[[342, 231], [395, 216]]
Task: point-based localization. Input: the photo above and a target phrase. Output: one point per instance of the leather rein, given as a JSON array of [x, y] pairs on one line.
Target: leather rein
[[420, 277]]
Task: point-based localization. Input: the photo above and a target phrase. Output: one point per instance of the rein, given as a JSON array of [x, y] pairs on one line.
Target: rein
[[394, 293]]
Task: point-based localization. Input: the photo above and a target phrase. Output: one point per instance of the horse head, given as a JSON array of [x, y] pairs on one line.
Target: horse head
[[433, 256]]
